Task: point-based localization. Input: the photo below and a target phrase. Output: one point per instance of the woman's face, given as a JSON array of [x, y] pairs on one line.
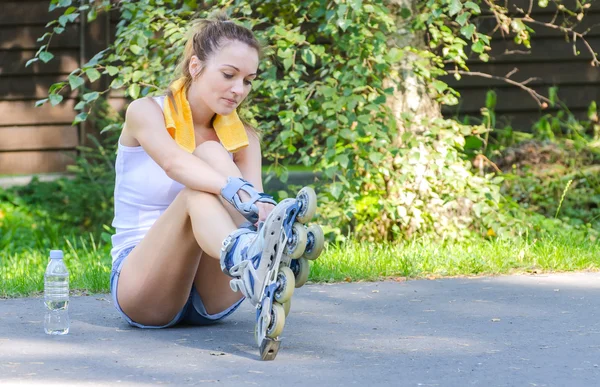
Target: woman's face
[[226, 78]]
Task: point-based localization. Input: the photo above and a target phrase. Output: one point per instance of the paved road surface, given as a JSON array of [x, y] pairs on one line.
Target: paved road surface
[[539, 330]]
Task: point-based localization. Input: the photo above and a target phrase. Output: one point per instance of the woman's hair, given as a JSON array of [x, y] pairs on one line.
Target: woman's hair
[[205, 37]]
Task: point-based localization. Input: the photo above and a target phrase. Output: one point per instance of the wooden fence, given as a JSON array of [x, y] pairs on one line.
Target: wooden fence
[[551, 61], [41, 140]]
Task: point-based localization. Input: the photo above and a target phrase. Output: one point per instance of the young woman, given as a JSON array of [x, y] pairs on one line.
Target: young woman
[[179, 196]]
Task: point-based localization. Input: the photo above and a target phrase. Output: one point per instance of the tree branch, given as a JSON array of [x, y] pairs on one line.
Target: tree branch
[[539, 99], [595, 61]]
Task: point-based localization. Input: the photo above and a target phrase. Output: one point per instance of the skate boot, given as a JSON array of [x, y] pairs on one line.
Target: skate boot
[[267, 265]]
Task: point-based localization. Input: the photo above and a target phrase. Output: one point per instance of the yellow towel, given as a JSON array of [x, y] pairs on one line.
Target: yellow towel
[[180, 125]]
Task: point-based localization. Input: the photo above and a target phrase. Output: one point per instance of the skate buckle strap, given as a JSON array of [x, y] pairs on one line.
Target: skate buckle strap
[[228, 244], [248, 209]]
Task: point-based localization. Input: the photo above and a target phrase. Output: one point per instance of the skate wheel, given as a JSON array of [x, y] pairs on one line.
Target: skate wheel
[[316, 242], [277, 321], [301, 272], [287, 282], [296, 245], [308, 200], [286, 307]]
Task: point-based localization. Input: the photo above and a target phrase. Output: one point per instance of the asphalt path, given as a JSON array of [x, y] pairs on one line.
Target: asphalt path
[[525, 330]]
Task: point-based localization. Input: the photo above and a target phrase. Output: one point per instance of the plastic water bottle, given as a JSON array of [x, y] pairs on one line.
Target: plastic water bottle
[[56, 295]]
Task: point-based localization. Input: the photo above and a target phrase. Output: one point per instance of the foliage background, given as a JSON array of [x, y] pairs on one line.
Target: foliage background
[[330, 72]]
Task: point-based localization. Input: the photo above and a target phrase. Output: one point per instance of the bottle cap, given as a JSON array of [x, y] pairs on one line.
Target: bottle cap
[[56, 254]]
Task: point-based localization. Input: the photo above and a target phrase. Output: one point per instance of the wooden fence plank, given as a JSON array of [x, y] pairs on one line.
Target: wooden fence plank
[[487, 24], [18, 12], [551, 8], [25, 113], [38, 137], [20, 163], [19, 38], [12, 63], [542, 50], [515, 99], [553, 73], [31, 87]]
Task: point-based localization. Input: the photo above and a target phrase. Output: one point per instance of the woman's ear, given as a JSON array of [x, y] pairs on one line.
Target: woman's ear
[[195, 66]]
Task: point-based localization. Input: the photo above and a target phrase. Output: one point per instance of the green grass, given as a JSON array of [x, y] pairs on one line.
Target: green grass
[[28, 233], [89, 261], [354, 261], [89, 264]]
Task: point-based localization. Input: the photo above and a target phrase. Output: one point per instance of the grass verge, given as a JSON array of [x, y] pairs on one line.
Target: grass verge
[[89, 261]]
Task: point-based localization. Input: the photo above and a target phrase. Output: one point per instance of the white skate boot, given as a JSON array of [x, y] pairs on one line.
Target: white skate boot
[[259, 263]]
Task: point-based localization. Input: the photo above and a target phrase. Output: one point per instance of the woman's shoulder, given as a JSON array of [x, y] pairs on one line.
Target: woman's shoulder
[[142, 107], [141, 115]]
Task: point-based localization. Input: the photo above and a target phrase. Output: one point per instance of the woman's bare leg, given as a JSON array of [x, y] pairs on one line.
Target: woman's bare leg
[[211, 283], [157, 276]]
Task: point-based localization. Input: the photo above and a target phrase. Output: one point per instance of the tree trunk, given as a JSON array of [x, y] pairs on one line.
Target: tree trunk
[[410, 94]]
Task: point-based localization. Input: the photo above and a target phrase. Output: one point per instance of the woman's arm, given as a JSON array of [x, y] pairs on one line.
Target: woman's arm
[[249, 161], [145, 122]]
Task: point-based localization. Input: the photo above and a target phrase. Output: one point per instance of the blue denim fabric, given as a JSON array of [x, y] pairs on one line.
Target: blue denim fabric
[[193, 312]]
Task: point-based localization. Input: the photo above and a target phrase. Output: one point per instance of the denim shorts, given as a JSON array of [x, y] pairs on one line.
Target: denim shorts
[[192, 313]]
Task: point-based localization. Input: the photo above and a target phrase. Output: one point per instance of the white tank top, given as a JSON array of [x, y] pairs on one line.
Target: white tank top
[[143, 191]]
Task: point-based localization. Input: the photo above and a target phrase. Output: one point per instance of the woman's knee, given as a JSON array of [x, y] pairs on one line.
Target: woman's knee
[[215, 155], [211, 150], [192, 196]]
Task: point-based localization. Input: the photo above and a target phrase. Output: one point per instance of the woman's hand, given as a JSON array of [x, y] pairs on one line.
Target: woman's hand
[[264, 209]]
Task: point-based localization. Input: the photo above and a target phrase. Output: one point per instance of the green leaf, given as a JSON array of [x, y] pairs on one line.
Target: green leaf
[[440, 86], [70, 10], [46, 56], [405, 12], [287, 63], [468, 31], [92, 14], [55, 99], [375, 157], [344, 24], [30, 61], [308, 57], [137, 75], [41, 38], [463, 18], [41, 102], [592, 112], [336, 190], [135, 49], [111, 70], [355, 4], [478, 46], [394, 55], [347, 134], [542, 3], [473, 6], [93, 74], [133, 90], [343, 160], [80, 118], [62, 20], [72, 17], [455, 7], [117, 83], [142, 41], [75, 81], [89, 97]]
